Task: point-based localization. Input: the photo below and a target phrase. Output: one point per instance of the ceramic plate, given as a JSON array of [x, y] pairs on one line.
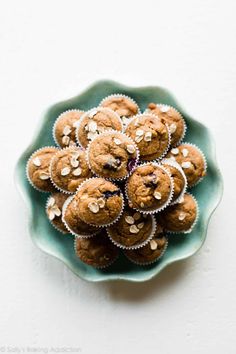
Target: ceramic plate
[[208, 192]]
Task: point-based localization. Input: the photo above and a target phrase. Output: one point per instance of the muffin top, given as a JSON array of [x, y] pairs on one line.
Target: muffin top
[[191, 160], [69, 169], [171, 117], [179, 217], [72, 220], [178, 176], [152, 251], [100, 202], [38, 169], [112, 155], [96, 121], [132, 229], [149, 188], [121, 104], [65, 126], [97, 251], [54, 210], [150, 134]]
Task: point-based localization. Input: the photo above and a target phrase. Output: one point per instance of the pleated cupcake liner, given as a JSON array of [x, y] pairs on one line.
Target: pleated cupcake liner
[[137, 116], [167, 203], [60, 189], [27, 168], [204, 161], [51, 221], [141, 244], [97, 267], [85, 115], [150, 262], [178, 167], [122, 200], [107, 133], [119, 95], [183, 121], [66, 204], [194, 223], [57, 120]]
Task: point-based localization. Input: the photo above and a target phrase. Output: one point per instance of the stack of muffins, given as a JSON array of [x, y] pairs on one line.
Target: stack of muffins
[[118, 179]]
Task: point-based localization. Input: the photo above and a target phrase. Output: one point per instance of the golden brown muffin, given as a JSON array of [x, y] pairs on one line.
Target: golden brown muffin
[[69, 169], [121, 104], [38, 169], [179, 217], [149, 188], [65, 127], [97, 251], [150, 135], [112, 155], [172, 118], [97, 121], [132, 229], [99, 202], [192, 161], [152, 251]]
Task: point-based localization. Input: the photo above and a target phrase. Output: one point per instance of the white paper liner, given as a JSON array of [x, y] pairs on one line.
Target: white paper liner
[[107, 133], [151, 262], [118, 95], [97, 267], [204, 160], [153, 230], [122, 200], [175, 164], [194, 223], [58, 119], [171, 190], [67, 202], [183, 120], [137, 116], [85, 115], [27, 167], [51, 221], [50, 168]]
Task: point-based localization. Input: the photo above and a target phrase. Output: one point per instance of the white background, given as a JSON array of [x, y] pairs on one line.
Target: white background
[[51, 50]]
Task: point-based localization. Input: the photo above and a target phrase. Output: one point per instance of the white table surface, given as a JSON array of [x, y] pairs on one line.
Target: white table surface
[[51, 50]]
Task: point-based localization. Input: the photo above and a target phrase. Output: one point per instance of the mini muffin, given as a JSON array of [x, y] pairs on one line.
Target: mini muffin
[[171, 117], [54, 210], [96, 121], [192, 161], [37, 169], [96, 251], [121, 104], [132, 230], [179, 217], [72, 221], [65, 126], [152, 251], [69, 169], [99, 202], [150, 135], [149, 188], [179, 178], [112, 155]]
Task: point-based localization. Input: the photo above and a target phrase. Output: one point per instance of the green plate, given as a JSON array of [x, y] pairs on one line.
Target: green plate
[[208, 192]]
